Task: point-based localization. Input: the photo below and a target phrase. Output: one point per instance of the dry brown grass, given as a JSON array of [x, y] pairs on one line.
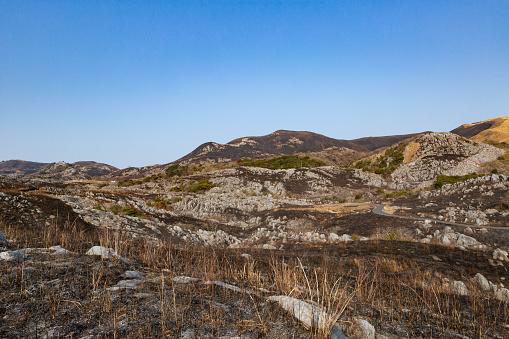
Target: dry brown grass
[[498, 132], [388, 291]]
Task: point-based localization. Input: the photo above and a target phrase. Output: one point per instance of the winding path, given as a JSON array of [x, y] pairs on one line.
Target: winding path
[[379, 210]]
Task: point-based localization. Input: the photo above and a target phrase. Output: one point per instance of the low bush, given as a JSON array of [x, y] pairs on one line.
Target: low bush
[[284, 162], [133, 212], [200, 186], [177, 170], [452, 179]]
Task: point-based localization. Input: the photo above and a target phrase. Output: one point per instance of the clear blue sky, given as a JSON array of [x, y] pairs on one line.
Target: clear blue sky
[[134, 83]]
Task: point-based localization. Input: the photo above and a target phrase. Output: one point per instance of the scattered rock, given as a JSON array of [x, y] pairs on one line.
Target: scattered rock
[[501, 255], [225, 285], [184, 280], [133, 275], [106, 253], [126, 285], [268, 247], [60, 250]]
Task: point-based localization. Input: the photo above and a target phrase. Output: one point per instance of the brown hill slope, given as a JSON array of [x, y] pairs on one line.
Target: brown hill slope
[[20, 167], [494, 130]]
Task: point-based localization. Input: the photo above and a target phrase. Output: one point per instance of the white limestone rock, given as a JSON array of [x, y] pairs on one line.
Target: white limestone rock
[[309, 315], [106, 253]]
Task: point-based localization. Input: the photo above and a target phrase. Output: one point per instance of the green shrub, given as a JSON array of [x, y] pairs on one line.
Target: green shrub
[[284, 162], [398, 194], [115, 209], [177, 170], [200, 186], [334, 199], [393, 235], [386, 163], [133, 212], [452, 179], [358, 196]]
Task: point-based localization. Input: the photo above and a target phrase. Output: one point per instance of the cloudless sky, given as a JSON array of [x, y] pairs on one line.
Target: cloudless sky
[[135, 83]]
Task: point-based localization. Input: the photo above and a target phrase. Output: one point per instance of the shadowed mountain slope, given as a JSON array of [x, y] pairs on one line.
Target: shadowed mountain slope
[[20, 167]]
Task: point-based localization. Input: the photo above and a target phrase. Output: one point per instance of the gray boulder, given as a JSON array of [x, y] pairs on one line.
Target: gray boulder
[[3, 240], [363, 329], [12, 256], [483, 283]]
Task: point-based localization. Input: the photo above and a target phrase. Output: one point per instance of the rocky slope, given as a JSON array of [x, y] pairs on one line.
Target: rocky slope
[[416, 162], [430, 155]]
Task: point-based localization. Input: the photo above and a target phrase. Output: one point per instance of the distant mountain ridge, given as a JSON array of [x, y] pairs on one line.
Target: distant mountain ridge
[[60, 170], [283, 142], [279, 143]]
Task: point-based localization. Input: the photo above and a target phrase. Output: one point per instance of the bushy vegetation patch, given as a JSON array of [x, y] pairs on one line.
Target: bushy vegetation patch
[[384, 164], [200, 186], [398, 194], [133, 212], [161, 204], [452, 179], [284, 162], [177, 170]]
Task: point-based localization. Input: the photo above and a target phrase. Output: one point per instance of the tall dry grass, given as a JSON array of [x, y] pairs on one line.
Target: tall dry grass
[[385, 290]]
